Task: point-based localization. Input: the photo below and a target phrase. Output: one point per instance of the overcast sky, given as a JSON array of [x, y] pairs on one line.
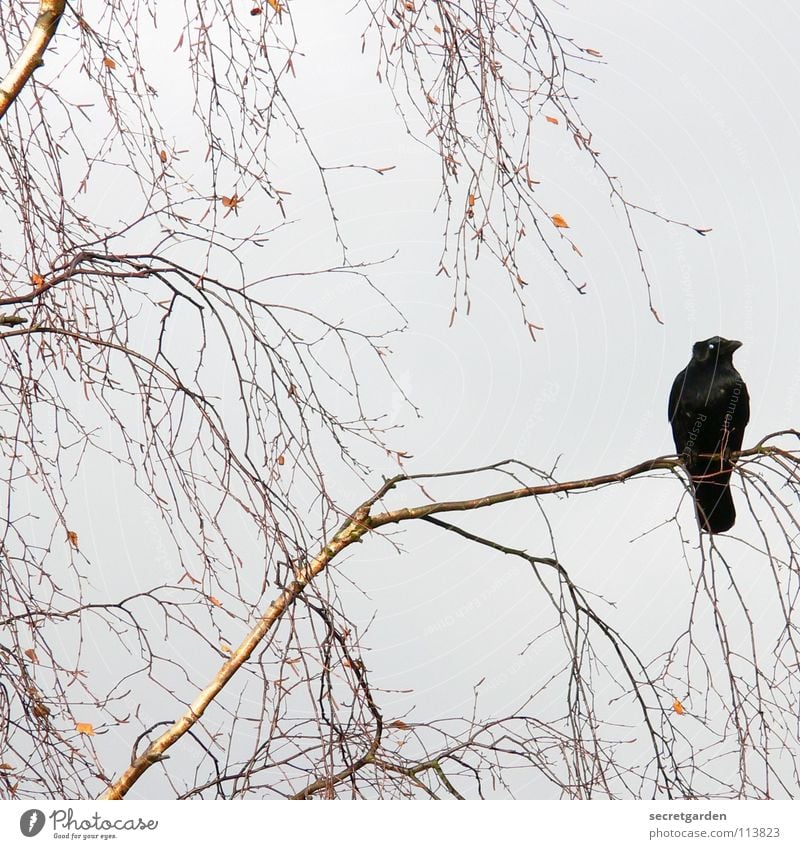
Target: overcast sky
[[694, 109]]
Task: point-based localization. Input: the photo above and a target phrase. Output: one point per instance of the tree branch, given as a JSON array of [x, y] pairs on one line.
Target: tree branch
[[50, 12], [353, 530]]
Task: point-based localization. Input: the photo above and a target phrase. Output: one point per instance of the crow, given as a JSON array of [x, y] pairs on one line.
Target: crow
[[708, 409]]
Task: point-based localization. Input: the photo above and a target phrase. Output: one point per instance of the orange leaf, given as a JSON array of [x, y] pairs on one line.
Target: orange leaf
[[398, 723], [551, 119], [231, 202], [109, 63], [31, 654], [72, 539], [276, 5], [281, 460], [437, 29], [85, 728], [6, 767], [163, 155], [559, 221], [471, 201], [593, 52], [215, 601], [678, 708], [37, 280]]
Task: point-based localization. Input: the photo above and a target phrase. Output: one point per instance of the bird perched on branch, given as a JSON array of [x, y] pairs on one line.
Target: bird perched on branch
[[708, 409]]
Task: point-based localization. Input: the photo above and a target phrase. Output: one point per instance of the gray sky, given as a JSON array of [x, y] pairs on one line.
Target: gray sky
[[694, 110]]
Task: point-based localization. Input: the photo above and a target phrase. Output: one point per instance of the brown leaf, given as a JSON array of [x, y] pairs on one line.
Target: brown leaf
[[37, 280], [592, 52], [559, 220], [232, 202], [551, 119], [72, 539], [471, 201], [276, 5], [109, 63], [437, 29], [163, 155], [85, 728], [41, 710], [31, 654], [6, 768], [281, 460], [398, 723], [678, 708], [215, 601]]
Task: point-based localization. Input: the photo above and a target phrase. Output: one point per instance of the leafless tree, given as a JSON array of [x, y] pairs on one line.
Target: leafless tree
[[141, 351]]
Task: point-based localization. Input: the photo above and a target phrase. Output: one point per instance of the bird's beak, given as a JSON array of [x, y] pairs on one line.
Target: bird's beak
[[734, 345]]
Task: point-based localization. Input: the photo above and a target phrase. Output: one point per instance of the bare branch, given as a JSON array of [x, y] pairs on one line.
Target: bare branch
[[50, 12]]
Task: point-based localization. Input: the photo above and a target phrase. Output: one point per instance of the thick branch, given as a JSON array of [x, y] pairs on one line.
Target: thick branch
[[351, 532], [50, 12], [360, 523]]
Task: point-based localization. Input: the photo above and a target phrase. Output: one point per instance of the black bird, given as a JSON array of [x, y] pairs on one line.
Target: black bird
[[708, 409]]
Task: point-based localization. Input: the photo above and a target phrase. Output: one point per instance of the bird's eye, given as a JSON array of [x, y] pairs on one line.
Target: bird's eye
[[711, 346]]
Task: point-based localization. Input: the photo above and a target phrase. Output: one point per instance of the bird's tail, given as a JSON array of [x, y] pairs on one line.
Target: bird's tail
[[714, 502]]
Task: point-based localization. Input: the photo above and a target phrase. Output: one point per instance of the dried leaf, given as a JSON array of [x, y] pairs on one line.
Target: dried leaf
[[437, 29], [551, 119], [592, 52], [398, 723], [85, 728], [276, 5], [6, 768], [163, 155], [559, 221], [281, 460], [678, 708], [72, 539], [471, 201], [232, 202], [37, 280], [31, 654], [109, 63], [215, 601], [41, 710]]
